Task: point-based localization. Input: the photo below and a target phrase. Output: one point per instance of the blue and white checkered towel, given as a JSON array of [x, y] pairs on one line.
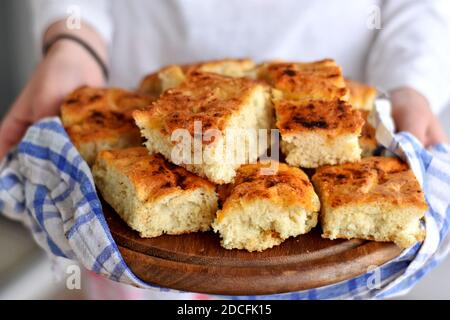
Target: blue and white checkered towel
[[45, 184]]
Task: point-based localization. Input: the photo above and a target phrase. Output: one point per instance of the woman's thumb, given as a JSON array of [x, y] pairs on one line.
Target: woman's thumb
[[14, 125]]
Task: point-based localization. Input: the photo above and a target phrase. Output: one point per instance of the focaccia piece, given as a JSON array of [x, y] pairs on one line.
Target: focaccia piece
[[103, 131], [376, 198], [361, 96], [367, 140], [319, 80], [213, 102], [173, 75], [153, 85], [235, 68], [99, 119], [81, 103], [261, 211], [153, 196], [315, 133]]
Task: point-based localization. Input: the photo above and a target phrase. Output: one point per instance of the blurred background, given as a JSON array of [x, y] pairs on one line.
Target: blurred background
[[25, 271]]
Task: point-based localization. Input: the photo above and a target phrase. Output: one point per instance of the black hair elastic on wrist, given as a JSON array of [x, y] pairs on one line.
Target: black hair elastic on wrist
[[82, 43]]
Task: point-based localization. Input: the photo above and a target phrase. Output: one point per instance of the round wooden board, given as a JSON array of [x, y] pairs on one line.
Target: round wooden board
[[197, 263]]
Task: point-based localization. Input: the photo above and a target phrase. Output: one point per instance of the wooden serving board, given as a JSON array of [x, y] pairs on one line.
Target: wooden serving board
[[196, 262]]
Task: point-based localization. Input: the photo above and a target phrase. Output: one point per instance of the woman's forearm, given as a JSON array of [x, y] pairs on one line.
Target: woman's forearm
[[85, 33], [66, 66]]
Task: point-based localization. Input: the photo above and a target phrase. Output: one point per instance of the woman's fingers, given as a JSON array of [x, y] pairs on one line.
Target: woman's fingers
[[412, 113], [11, 131], [46, 103], [410, 121], [66, 66], [435, 133], [15, 123], [422, 124]]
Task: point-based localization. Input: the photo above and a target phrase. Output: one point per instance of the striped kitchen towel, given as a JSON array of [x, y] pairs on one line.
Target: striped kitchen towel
[[45, 184]]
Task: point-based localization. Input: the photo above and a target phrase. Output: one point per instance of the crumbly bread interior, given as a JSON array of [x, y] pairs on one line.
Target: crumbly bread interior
[[260, 224], [375, 221], [312, 149]]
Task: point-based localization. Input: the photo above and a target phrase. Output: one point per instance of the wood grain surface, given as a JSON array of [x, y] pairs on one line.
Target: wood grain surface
[[196, 262]]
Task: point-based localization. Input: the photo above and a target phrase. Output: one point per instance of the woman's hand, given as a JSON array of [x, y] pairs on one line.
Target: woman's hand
[[66, 66], [412, 113]]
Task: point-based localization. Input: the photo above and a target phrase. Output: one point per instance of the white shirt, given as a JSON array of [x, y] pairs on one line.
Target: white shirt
[[410, 49]]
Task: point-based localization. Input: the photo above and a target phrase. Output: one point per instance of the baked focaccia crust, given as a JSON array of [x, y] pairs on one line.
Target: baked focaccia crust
[[99, 119]]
